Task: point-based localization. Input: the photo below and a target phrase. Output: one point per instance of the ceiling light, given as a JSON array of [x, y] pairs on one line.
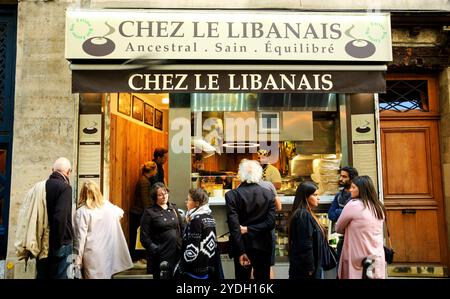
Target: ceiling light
[[165, 100], [240, 144]]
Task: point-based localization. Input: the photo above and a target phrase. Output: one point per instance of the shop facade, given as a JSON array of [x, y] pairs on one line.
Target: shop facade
[[308, 111]]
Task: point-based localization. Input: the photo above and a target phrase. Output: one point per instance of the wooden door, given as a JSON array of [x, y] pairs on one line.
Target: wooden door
[[413, 189]]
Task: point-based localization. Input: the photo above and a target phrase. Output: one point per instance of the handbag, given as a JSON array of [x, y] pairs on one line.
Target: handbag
[[388, 254], [329, 256], [388, 250]]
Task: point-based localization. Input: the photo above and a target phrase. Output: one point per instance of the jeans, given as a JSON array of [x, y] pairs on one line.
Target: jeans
[[57, 266]]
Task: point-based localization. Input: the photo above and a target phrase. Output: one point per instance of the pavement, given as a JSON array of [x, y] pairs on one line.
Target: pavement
[[2, 269]]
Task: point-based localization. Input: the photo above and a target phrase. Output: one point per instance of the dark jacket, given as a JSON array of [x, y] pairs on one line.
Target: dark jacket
[[338, 204], [161, 235], [199, 247], [142, 194], [59, 209], [253, 206], [306, 241], [159, 177]]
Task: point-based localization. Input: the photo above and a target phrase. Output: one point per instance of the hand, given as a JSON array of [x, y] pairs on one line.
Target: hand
[[244, 229], [244, 261]]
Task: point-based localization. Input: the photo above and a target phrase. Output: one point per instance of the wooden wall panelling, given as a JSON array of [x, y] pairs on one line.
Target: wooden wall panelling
[[112, 157], [131, 145], [132, 166], [118, 179]]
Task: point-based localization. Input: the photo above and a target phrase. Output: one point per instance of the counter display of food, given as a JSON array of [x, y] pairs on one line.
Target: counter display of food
[[285, 200]]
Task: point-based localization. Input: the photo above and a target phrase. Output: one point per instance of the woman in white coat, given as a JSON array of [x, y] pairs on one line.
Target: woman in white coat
[[100, 244]]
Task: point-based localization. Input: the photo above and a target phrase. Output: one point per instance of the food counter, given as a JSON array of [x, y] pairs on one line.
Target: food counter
[[285, 200]]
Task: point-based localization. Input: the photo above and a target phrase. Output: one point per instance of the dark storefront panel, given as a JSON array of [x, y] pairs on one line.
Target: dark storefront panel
[[211, 81]]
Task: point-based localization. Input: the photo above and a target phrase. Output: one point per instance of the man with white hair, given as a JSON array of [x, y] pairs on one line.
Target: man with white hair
[[59, 210], [251, 206]]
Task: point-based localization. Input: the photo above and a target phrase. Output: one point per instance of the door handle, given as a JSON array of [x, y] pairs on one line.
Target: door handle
[[408, 211]]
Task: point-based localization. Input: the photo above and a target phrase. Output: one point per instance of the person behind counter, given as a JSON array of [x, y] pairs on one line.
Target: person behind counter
[[161, 227], [347, 173], [362, 221], [270, 172], [306, 234], [252, 206]]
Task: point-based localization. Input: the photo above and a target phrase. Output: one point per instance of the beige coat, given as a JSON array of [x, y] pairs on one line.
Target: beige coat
[[32, 235], [100, 244]]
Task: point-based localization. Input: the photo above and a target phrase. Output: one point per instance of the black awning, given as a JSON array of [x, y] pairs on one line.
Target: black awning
[[226, 81]]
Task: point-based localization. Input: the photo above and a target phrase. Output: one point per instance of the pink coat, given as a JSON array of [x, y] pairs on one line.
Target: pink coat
[[363, 237]]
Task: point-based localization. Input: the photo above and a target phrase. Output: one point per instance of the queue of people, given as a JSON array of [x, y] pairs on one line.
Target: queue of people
[[185, 246]]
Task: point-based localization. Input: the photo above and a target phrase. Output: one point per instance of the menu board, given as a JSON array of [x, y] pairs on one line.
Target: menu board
[[364, 145], [89, 148]]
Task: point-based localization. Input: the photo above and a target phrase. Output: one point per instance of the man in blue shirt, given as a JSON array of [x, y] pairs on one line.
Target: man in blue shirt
[[347, 173]]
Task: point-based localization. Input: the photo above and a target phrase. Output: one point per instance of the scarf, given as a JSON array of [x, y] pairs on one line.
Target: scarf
[[198, 211]]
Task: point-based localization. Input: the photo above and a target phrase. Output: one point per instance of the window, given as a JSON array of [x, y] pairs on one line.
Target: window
[[405, 95]]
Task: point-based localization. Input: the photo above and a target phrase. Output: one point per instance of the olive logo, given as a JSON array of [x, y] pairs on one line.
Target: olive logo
[[100, 45], [81, 28], [358, 47]]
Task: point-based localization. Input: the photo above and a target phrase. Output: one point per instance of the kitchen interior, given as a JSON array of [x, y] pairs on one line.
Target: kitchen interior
[[309, 144]]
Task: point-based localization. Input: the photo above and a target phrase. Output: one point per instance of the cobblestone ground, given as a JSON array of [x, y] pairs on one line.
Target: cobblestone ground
[[2, 269]]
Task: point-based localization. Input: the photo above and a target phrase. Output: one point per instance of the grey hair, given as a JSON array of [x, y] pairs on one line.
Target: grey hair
[[250, 171], [62, 165]]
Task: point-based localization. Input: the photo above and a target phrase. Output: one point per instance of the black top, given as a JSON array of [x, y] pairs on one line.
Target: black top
[[59, 209], [161, 233], [338, 204], [253, 206], [199, 246], [306, 240], [159, 177]]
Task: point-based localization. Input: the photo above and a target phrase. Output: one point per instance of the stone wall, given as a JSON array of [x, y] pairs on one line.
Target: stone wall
[[444, 129], [45, 111], [289, 4]]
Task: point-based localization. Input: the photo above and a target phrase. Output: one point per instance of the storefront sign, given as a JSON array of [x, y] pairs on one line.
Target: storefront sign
[[89, 149], [363, 145], [227, 81], [237, 35]]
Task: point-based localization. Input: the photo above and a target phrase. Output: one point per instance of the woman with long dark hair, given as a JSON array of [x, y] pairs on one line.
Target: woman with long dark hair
[[306, 235], [362, 222]]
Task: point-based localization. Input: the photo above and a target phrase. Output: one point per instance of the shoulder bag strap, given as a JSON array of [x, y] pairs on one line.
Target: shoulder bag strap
[[387, 229]]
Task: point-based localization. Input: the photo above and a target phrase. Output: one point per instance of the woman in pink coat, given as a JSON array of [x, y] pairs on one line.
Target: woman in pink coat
[[362, 222]]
